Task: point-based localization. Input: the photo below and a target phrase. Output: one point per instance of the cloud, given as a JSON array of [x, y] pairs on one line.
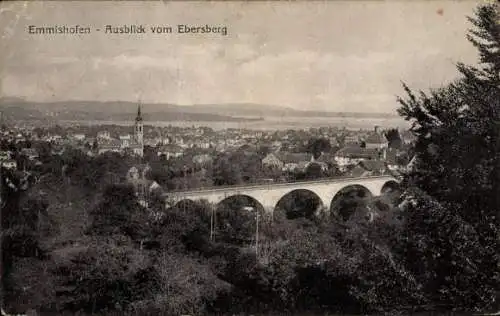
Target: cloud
[[132, 63], [333, 56]]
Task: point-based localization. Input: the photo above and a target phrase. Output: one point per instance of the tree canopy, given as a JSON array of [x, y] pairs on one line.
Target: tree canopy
[[457, 149]]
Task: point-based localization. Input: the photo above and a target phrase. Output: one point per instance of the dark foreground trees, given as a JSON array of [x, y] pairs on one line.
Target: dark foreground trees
[[458, 169], [130, 262]]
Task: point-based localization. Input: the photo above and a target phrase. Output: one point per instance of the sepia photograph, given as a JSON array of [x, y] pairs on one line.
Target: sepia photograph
[[250, 158]]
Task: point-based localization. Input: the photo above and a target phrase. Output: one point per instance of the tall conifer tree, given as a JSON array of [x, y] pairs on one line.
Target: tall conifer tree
[[458, 148]]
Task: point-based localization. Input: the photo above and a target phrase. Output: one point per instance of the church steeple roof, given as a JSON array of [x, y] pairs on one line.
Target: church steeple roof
[[139, 116]]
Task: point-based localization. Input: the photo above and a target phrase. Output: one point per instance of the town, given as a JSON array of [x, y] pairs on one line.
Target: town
[[185, 158]]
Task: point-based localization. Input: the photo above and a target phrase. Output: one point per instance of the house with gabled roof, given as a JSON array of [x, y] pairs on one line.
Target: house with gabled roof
[[287, 161], [367, 168], [376, 140], [138, 177], [353, 155], [326, 160], [170, 151], [109, 145], [350, 140], [294, 161], [272, 161], [104, 135], [408, 137], [396, 159]]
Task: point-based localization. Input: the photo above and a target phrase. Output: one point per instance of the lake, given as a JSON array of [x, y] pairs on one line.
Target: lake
[[273, 123]]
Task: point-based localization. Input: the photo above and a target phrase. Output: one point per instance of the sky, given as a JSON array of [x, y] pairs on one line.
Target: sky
[[331, 56]]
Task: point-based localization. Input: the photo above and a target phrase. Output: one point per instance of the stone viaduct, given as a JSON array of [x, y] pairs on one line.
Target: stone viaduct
[[268, 196]]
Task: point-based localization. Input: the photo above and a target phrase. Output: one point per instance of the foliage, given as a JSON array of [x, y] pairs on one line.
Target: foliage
[[32, 285], [94, 173], [349, 202], [317, 146], [21, 219], [457, 129], [225, 173], [182, 229], [298, 204], [118, 212], [394, 138], [445, 255], [314, 171], [186, 287], [101, 275]]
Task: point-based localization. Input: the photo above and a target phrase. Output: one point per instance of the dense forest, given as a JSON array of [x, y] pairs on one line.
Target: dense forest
[[77, 241]]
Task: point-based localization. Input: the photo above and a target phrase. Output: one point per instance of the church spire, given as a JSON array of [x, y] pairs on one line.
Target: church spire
[[139, 117], [139, 131]]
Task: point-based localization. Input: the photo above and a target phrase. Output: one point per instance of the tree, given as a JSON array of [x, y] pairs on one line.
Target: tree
[[185, 226], [313, 171], [236, 220], [225, 173], [263, 151], [458, 149], [159, 172], [96, 279], [22, 215], [317, 146], [394, 138], [95, 145], [118, 213], [445, 254]]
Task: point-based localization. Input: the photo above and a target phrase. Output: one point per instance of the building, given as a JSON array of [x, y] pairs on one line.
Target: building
[[170, 151], [103, 135], [353, 155], [111, 145], [271, 161], [135, 145], [137, 176], [326, 161], [350, 140], [125, 139], [287, 161], [408, 137], [79, 137], [376, 141]]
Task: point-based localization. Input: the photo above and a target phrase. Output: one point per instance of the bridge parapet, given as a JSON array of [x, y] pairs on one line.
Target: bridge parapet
[[269, 195], [277, 185]]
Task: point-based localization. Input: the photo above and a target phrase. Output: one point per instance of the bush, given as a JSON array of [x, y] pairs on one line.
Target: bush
[[102, 275], [444, 254]]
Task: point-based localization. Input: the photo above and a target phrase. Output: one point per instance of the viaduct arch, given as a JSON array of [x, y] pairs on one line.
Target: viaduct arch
[[329, 194]]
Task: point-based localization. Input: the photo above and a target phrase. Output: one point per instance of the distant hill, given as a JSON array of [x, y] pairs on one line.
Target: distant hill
[[19, 109], [261, 110]]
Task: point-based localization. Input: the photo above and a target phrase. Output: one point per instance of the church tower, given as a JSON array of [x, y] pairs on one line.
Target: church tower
[[139, 129]]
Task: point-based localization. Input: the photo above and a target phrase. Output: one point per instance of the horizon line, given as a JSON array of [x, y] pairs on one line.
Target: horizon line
[[23, 99]]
